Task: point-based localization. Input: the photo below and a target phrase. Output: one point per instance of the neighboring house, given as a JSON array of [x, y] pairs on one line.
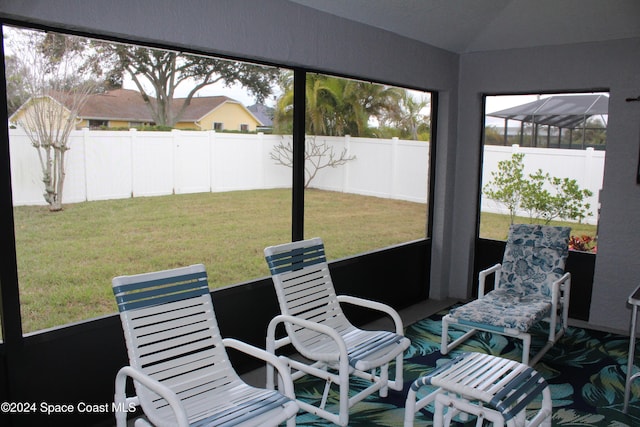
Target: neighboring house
[[123, 108], [265, 115], [55, 109], [218, 113], [118, 108]]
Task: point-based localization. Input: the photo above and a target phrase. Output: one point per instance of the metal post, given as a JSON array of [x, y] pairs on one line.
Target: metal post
[[506, 127], [9, 293], [297, 184]]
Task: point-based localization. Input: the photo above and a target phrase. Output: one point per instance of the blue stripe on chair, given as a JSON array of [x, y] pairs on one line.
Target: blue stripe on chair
[[243, 412], [523, 404], [525, 386], [485, 326], [153, 292], [426, 380], [199, 275], [365, 349], [296, 259]]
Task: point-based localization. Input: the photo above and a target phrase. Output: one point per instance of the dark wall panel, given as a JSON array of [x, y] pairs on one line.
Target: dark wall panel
[[75, 365], [397, 276], [4, 385]]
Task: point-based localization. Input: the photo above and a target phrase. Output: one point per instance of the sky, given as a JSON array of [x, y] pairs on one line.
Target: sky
[[497, 103]]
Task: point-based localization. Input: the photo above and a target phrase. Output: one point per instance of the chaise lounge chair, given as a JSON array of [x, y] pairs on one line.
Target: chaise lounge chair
[[530, 286]]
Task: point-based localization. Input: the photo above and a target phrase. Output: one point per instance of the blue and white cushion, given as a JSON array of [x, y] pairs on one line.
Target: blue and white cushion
[[534, 258]]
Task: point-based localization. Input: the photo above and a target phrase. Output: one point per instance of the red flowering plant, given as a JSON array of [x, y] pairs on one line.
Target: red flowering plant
[[583, 243]]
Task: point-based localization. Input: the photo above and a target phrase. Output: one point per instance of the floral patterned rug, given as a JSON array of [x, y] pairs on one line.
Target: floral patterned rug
[[586, 372]]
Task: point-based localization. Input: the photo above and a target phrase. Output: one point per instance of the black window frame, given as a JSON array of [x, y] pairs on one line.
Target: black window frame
[[10, 308]]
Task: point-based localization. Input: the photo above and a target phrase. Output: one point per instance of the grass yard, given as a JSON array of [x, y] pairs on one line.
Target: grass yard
[[495, 226], [66, 260]]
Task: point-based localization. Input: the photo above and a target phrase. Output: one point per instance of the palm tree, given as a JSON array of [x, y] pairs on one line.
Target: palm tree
[[410, 119], [337, 106], [324, 99], [365, 100]]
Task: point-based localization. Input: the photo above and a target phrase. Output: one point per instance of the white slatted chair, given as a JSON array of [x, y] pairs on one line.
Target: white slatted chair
[[318, 329], [178, 362], [493, 389], [530, 286]]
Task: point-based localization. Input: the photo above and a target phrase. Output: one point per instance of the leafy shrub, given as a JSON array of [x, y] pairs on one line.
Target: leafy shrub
[[543, 196]]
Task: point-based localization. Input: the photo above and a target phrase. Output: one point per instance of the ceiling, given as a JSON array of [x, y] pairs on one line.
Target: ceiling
[[465, 26]]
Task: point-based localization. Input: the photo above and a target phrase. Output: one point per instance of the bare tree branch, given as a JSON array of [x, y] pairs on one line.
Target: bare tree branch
[[317, 156]]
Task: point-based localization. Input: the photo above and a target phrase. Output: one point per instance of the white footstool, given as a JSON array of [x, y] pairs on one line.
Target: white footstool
[[488, 387]]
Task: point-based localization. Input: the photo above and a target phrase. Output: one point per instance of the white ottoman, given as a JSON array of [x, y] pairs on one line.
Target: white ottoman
[[488, 387]]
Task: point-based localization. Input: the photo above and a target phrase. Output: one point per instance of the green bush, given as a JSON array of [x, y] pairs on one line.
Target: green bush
[[541, 195]]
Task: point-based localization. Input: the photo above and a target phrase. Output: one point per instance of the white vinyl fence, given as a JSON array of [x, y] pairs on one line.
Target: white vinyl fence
[[105, 165]]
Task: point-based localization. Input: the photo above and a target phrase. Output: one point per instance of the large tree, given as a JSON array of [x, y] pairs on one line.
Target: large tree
[[16, 73], [410, 119], [363, 100], [158, 73], [323, 95]]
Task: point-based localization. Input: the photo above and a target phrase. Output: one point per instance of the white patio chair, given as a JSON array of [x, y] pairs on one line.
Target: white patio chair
[[529, 286], [178, 362], [318, 329]]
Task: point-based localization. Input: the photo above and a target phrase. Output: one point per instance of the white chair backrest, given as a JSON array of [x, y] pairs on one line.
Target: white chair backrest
[[172, 335], [304, 287]]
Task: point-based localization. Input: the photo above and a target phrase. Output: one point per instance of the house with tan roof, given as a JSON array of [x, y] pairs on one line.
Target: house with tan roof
[[124, 108]]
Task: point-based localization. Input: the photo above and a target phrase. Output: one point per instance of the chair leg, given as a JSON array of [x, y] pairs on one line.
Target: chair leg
[[343, 415], [445, 345], [384, 379], [398, 381], [325, 394], [526, 347], [438, 413]]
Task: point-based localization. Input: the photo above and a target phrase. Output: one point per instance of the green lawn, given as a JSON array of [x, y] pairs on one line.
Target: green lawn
[[495, 226], [66, 259]]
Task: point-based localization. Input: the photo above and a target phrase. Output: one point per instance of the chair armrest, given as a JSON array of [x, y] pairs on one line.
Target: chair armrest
[[483, 275], [270, 358], [563, 284], [561, 288], [374, 305], [323, 329], [560, 293], [153, 385]]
